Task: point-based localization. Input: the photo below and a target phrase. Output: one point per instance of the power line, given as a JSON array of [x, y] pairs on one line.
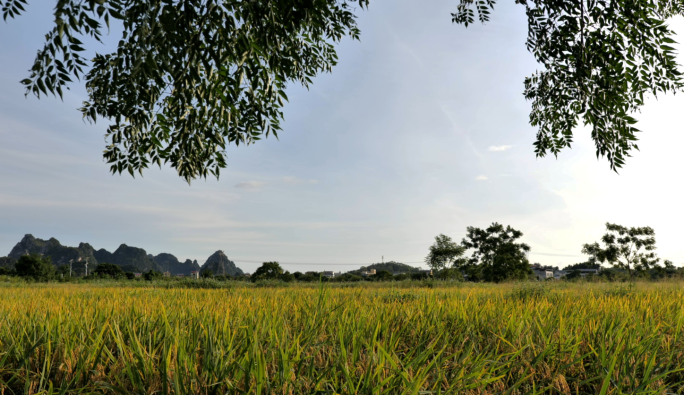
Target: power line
[[316, 264]]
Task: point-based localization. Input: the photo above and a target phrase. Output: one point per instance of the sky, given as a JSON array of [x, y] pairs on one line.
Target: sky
[[420, 129]]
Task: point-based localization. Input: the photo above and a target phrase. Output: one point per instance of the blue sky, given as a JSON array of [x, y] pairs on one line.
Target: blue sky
[[421, 129]]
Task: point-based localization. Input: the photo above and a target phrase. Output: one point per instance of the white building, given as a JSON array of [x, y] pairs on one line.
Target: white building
[[543, 274]]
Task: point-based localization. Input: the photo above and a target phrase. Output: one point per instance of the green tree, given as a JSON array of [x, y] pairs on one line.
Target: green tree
[[444, 253], [36, 267], [208, 273], [287, 277], [268, 271], [599, 59], [62, 270], [190, 77], [151, 275], [631, 249], [108, 270], [383, 275], [509, 263], [496, 255]]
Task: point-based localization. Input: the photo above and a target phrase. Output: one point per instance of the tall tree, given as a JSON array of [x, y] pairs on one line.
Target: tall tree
[[189, 77], [496, 255], [631, 249], [444, 253]]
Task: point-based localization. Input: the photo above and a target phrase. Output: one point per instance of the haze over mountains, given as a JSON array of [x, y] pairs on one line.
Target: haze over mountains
[[132, 259]]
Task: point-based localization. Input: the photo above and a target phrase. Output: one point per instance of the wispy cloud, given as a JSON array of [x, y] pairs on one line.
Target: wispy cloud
[[250, 185], [295, 180], [499, 148], [481, 178]]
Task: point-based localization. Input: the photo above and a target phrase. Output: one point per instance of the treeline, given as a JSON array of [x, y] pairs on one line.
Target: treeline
[[495, 254], [39, 268]]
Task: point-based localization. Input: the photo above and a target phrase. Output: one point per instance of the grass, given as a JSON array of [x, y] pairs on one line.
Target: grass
[[468, 339]]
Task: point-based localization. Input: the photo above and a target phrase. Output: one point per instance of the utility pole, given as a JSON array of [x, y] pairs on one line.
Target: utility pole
[[383, 259], [86, 264], [70, 263]]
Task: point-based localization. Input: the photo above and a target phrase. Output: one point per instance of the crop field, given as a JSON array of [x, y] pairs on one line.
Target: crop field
[[468, 339]]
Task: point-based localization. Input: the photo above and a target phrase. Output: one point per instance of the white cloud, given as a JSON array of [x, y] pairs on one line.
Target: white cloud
[[500, 148], [296, 181], [250, 185], [481, 178]]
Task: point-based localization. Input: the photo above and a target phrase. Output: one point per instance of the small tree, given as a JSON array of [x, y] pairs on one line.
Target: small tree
[[496, 256], [35, 267], [444, 253], [631, 249], [268, 271]]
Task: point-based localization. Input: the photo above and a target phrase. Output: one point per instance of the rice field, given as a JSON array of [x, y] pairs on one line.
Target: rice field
[[470, 339]]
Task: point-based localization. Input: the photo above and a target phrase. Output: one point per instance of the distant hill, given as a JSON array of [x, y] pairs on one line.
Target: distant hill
[[171, 264], [219, 264], [392, 267], [128, 258], [59, 254]]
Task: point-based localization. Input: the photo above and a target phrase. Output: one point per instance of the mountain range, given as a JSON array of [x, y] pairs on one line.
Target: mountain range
[[132, 259]]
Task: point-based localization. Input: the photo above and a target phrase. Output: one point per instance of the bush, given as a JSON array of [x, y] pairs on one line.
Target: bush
[[419, 276], [152, 275], [383, 275], [287, 277], [450, 274], [308, 278]]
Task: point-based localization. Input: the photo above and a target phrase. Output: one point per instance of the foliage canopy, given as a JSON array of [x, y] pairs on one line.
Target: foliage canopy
[[190, 77], [600, 58]]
